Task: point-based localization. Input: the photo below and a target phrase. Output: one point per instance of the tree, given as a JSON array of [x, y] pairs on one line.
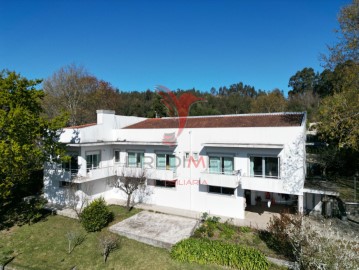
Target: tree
[[65, 91], [27, 139], [347, 47], [131, 181], [269, 102], [303, 81], [339, 119], [339, 113]]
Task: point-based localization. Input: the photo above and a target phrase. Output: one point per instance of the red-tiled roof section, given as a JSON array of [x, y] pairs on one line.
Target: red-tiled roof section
[[259, 120], [82, 126]]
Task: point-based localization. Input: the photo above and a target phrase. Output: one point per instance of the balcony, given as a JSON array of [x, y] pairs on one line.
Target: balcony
[[262, 184], [94, 174], [220, 179], [161, 174]]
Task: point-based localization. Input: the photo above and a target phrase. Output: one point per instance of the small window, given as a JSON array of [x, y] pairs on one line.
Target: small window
[[135, 159], [186, 155], [117, 156], [167, 184], [221, 190], [195, 156]]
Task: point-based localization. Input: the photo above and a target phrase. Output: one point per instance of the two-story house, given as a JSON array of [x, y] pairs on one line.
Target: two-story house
[[216, 164]]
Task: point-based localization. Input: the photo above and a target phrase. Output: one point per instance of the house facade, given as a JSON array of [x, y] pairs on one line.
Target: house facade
[[215, 164]]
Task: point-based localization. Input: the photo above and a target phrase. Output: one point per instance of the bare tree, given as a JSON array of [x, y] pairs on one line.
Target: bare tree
[[108, 242], [77, 200], [132, 180], [65, 91]]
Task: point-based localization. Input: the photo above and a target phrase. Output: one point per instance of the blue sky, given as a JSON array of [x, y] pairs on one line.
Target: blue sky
[[136, 45]]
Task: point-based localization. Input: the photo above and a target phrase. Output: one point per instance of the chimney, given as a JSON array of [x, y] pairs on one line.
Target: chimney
[[103, 114]]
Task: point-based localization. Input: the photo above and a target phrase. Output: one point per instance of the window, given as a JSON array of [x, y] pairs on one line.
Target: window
[[167, 184], [166, 162], [117, 156], [264, 167], [218, 164], [92, 160], [221, 190], [135, 159], [195, 156]]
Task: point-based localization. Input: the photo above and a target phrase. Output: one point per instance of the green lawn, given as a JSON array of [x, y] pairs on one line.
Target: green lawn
[[43, 245]]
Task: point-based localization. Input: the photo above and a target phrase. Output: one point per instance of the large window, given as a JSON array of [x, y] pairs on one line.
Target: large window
[[92, 160], [167, 184], [264, 167], [221, 190], [166, 162], [218, 164], [135, 159], [71, 165]]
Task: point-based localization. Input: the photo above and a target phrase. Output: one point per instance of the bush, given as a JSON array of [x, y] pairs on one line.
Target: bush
[[204, 251], [96, 216]]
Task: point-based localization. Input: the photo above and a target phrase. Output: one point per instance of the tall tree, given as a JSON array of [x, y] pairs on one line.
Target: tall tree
[[339, 113], [347, 47], [27, 139], [303, 81], [65, 91]]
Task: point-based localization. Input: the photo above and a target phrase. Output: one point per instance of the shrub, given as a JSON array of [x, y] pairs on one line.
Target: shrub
[[245, 229], [96, 215], [204, 251]]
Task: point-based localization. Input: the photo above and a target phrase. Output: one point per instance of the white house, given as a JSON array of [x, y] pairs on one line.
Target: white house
[[216, 164]]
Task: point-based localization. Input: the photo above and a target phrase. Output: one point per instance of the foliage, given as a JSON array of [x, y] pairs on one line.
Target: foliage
[[74, 239], [312, 246], [277, 236], [27, 139], [27, 211], [347, 47], [204, 251], [269, 102], [73, 90], [108, 242], [96, 215]]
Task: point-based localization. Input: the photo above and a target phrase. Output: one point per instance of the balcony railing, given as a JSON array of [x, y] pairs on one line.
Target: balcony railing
[[262, 184], [161, 174], [222, 179]]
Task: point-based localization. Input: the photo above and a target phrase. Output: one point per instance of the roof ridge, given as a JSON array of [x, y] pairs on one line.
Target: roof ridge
[[233, 115]]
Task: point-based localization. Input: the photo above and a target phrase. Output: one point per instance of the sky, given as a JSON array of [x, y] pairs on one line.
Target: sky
[[136, 45]]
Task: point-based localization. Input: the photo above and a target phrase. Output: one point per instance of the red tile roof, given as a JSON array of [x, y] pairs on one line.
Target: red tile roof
[[82, 126], [249, 120]]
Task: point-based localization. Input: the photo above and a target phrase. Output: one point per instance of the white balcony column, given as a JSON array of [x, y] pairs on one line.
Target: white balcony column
[[300, 204], [82, 166]]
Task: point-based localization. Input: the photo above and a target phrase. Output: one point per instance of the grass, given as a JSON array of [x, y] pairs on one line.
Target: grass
[[346, 189], [43, 245]]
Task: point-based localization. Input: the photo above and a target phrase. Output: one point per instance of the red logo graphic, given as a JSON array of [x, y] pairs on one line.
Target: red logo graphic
[[179, 106]]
